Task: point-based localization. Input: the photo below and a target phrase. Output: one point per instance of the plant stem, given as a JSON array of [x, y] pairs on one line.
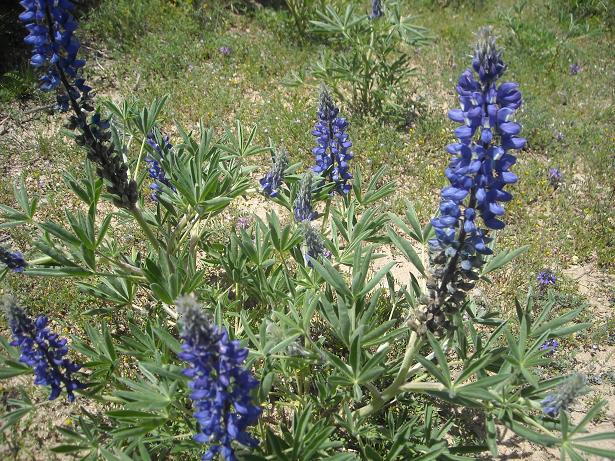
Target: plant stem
[[399, 384], [325, 217], [411, 350], [139, 159], [407, 387], [146, 227]]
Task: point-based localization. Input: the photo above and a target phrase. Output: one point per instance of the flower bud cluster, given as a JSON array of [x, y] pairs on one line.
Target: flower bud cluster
[[303, 210], [273, 179], [13, 260]]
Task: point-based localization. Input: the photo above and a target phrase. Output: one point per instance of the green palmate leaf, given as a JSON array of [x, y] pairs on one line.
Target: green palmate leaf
[[332, 277], [403, 226], [168, 339], [433, 370], [340, 366], [432, 454], [60, 272], [413, 219], [408, 251], [501, 259], [69, 448], [18, 410], [596, 437], [441, 357], [557, 322], [12, 368], [60, 232], [529, 434], [605, 452], [132, 415], [369, 286], [474, 366]]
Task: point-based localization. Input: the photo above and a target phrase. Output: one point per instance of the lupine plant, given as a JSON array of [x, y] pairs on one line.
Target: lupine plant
[[282, 338], [365, 63]]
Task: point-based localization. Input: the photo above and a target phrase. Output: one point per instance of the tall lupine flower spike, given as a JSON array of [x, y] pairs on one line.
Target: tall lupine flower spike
[[333, 150], [478, 171], [42, 350], [303, 202], [565, 396], [376, 9], [51, 26], [221, 387], [13, 260], [273, 179], [155, 169]]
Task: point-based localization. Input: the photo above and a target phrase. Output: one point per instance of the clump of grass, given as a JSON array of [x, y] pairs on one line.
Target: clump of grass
[[17, 84]]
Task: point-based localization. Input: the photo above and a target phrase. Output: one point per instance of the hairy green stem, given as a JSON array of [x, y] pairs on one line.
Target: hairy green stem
[[407, 387], [325, 217], [145, 226], [139, 159], [399, 384]]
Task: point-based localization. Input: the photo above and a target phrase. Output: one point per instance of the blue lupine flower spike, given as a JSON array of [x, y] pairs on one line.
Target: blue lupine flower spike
[[303, 202], [376, 9], [42, 350], [156, 172], [274, 178], [566, 394], [51, 27], [478, 172], [332, 153], [13, 260], [221, 386]]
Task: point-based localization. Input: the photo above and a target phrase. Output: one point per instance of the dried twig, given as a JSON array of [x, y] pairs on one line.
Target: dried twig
[[38, 109]]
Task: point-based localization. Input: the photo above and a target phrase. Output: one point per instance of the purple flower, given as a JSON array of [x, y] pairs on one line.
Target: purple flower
[[575, 69], [155, 170], [42, 350], [274, 178], [376, 9], [333, 150], [12, 260], [221, 386], [546, 278], [243, 222], [480, 164], [555, 177], [550, 345], [225, 50], [51, 26], [479, 170]]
